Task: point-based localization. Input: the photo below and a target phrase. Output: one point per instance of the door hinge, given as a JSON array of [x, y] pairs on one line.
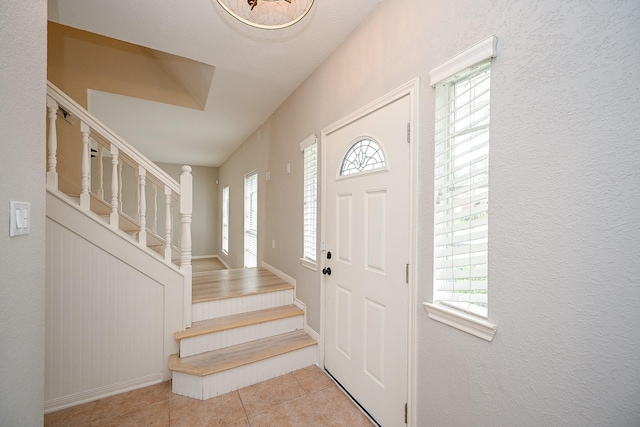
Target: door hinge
[[406, 413], [408, 133], [406, 274]]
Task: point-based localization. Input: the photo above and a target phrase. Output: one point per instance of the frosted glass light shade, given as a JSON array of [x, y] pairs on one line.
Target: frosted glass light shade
[[267, 14]]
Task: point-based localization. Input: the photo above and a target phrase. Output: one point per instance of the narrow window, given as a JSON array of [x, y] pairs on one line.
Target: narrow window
[[251, 220], [225, 220], [462, 190], [310, 200]]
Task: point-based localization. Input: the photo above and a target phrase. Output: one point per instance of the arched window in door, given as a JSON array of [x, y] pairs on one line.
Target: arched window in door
[[365, 155]]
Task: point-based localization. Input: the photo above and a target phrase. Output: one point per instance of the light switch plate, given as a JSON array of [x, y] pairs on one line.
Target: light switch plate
[[20, 218]]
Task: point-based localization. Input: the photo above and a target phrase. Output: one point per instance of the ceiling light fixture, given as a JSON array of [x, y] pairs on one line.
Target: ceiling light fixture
[[267, 14]]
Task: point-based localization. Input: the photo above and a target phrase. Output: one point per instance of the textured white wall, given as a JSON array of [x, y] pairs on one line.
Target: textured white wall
[[22, 166], [564, 200]]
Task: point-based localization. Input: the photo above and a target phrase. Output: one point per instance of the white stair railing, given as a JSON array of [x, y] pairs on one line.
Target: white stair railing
[[139, 225]]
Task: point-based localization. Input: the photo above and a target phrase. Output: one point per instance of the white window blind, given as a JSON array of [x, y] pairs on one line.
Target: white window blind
[[225, 219], [310, 220], [462, 190], [251, 219]]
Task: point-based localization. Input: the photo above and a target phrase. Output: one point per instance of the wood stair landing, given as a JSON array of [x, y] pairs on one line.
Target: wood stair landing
[[245, 330], [224, 284]]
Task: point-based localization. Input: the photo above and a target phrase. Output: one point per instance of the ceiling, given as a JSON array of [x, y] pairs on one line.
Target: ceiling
[[255, 70]]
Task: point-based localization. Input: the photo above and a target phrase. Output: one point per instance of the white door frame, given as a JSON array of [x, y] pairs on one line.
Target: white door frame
[[412, 90]]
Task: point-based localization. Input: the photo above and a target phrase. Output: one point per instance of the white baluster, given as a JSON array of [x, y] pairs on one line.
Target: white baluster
[[85, 198], [154, 226], [142, 205], [52, 142], [120, 207], [101, 171], [114, 218], [167, 224], [186, 208]]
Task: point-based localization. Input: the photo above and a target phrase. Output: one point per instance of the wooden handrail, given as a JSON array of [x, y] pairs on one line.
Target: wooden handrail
[[97, 126]]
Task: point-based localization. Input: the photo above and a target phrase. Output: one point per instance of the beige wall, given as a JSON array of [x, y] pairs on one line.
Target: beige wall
[[564, 198], [205, 234], [22, 177], [252, 155]]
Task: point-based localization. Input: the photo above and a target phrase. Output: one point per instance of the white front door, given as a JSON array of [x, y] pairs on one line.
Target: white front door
[[367, 222]]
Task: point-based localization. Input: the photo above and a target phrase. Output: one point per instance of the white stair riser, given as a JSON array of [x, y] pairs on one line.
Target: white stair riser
[[226, 307], [229, 337], [233, 379]]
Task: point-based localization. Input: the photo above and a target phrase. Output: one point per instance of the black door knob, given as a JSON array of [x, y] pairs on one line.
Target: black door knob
[[327, 271]]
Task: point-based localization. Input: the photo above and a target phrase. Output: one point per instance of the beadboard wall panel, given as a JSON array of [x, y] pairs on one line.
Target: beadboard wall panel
[[105, 322]]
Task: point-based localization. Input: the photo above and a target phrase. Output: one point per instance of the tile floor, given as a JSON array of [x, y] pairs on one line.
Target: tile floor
[[307, 397]]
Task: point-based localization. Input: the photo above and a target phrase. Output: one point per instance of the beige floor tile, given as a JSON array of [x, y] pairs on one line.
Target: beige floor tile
[[222, 410], [312, 379], [241, 423], [155, 415], [288, 400], [268, 394], [337, 409], [126, 402], [71, 417], [295, 413]]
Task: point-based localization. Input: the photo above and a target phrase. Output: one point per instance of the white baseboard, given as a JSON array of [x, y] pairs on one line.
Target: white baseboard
[[100, 393], [204, 256], [284, 276], [223, 262]]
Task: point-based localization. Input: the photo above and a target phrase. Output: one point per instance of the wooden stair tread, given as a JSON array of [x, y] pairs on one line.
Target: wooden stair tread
[[233, 283], [239, 320], [239, 355]]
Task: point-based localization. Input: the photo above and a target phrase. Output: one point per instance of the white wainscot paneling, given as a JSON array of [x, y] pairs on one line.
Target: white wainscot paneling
[[227, 307], [104, 322], [230, 337]]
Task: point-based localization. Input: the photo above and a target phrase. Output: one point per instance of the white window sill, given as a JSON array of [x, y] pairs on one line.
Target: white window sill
[[311, 265], [459, 320]]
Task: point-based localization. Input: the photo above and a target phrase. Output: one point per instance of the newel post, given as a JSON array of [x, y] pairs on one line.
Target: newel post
[[52, 143], [186, 208]]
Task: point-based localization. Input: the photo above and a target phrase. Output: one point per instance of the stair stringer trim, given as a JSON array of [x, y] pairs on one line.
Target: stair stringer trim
[[233, 379], [302, 306]]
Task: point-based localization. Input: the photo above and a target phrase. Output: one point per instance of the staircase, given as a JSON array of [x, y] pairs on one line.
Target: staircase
[[246, 329], [236, 327]]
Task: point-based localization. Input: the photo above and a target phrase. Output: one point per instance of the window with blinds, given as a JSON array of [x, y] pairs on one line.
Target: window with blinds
[[225, 220], [310, 198], [251, 220], [462, 190]]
